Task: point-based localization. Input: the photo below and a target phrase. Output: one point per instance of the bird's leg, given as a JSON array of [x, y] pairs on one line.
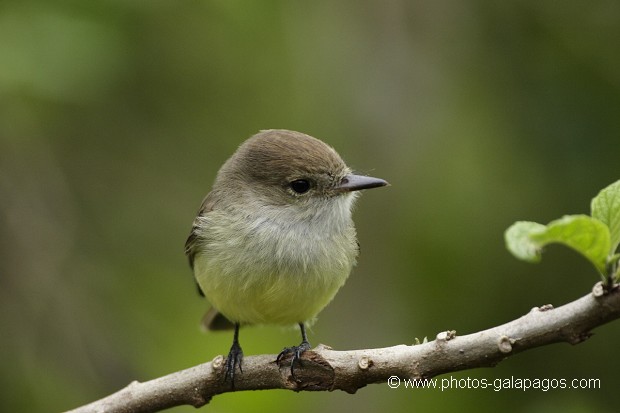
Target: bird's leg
[[296, 351], [234, 359]]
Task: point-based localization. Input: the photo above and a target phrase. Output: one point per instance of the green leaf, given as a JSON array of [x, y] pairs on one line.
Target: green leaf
[[584, 234], [518, 240], [606, 208]]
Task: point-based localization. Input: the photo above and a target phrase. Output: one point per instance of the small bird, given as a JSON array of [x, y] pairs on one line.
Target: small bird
[[274, 241]]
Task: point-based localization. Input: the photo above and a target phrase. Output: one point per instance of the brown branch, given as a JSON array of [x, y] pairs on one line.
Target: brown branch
[[327, 369]]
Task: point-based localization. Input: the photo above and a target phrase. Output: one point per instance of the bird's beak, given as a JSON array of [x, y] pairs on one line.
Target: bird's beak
[[358, 182]]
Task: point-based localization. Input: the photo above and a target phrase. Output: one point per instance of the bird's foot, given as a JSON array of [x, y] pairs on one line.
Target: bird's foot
[[234, 360], [296, 351]]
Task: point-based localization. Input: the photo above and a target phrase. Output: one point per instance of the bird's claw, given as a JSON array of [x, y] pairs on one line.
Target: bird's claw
[[234, 360], [296, 351]]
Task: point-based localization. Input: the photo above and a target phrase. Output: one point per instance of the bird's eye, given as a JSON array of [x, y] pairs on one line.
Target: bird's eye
[[301, 186]]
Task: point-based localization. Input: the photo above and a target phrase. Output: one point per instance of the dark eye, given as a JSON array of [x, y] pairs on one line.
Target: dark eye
[[301, 186]]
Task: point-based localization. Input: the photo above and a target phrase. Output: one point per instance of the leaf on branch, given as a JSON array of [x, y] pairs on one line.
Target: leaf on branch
[[519, 243], [586, 235], [606, 208]]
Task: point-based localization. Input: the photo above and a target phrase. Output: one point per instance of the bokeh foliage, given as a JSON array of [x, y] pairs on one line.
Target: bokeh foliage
[[116, 114]]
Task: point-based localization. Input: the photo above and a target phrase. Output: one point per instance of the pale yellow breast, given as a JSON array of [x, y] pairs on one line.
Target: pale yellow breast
[[272, 269]]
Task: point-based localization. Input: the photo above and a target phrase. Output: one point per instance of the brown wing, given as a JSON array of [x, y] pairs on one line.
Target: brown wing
[[213, 320], [191, 244]]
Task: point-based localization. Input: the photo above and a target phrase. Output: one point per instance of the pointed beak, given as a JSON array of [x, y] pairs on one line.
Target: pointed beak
[[358, 182]]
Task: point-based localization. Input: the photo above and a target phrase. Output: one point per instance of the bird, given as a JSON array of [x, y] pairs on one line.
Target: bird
[[274, 239]]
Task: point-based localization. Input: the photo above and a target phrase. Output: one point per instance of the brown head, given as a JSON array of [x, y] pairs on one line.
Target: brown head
[[289, 166]]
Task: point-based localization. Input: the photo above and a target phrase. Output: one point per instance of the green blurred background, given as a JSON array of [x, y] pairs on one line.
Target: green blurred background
[[116, 114]]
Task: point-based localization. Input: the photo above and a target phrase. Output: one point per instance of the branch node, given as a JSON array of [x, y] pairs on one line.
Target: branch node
[[365, 363], [446, 335], [316, 374], [218, 362], [542, 308], [504, 344], [598, 290]]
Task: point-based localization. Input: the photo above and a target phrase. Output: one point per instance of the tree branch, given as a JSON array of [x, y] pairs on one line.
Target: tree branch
[[327, 369]]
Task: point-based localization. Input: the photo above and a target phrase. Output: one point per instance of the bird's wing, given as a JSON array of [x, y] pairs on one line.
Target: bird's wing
[[191, 245], [213, 319]]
